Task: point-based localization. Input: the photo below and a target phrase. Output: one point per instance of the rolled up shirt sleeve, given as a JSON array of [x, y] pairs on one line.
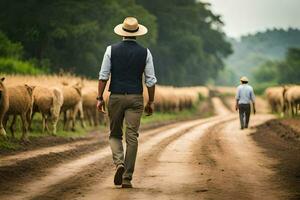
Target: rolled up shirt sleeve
[[149, 73], [106, 65]]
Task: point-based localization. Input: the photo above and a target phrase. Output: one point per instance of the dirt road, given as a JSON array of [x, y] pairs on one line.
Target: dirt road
[[200, 159]]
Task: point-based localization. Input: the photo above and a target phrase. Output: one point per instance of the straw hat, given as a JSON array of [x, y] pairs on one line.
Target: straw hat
[[244, 79], [130, 28]]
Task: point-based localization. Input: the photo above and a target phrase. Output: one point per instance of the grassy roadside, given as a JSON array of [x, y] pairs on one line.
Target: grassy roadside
[[36, 134], [167, 116], [201, 110]]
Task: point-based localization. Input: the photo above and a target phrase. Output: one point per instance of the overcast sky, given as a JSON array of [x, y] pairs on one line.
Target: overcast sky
[[249, 16]]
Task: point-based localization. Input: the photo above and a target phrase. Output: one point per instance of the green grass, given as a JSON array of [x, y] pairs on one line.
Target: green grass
[[6, 144], [80, 132], [167, 116], [289, 116], [178, 115], [225, 94], [12, 66], [9, 144], [37, 129]]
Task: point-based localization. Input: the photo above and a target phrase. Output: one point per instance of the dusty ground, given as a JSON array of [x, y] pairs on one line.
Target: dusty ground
[[198, 159], [48, 141], [282, 143]]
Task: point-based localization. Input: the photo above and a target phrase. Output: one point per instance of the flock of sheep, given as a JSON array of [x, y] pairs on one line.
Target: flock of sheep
[[73, 98], [285, 99]]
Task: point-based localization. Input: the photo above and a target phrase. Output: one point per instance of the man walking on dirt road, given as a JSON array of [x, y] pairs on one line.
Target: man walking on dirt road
[[126, 62], [244, 96]]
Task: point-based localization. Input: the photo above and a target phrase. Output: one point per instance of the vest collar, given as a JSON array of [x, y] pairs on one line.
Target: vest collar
[[127, 39]]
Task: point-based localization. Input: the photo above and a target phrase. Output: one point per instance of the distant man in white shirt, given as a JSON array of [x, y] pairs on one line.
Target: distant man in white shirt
[[244, 97]]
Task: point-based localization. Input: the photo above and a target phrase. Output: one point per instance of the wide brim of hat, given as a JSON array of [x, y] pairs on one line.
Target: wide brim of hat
[[244, 79], [119, 31]]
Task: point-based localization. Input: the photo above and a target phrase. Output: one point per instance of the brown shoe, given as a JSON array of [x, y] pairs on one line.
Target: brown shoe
[[126, 184], [119, 175]]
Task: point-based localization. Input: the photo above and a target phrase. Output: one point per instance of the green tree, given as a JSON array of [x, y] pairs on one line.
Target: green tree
[[190, 45], [253, 50], [70, 34], [184, 36], [226, 77], [280, 72], [8, 48], [14, 66], [267, 73], [10, 58], [289, 70]]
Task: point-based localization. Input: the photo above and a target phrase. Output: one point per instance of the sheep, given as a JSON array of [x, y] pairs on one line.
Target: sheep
[[176, 99], [292, 97], [48, 102], [275, 98], [72, 104], [20, 103], [4, 104], [286, 106], [89, 95]]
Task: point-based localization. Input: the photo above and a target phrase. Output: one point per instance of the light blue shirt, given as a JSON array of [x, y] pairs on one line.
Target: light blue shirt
[[150, 79], [245, 94]]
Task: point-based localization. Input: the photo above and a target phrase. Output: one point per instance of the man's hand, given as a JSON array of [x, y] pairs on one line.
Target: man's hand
[[101, 106], [100, 100], [254, 110], [149, 108]]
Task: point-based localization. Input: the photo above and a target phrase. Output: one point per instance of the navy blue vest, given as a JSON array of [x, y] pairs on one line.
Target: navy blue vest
[[128, 61]]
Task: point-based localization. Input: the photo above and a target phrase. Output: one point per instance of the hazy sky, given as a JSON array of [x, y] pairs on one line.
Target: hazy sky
[[249, 16]]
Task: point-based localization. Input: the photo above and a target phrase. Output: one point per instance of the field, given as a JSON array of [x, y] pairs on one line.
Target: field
[[194, 130]]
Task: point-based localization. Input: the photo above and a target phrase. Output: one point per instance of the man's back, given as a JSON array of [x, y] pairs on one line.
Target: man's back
[[245, 94], [128, 60]]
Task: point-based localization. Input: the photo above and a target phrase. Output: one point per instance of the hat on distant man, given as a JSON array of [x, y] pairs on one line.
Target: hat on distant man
[[130, 28], [244, 79]]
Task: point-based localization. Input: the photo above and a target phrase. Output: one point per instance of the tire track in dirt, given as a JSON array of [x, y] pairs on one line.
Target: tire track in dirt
[[19, 170], [155, 166], [281, 143], [97, 173], [91, 174], [13, 177], [223, 163], [220, 108], [13, 159], [18, 157], [170, 174], [235, 166], [64, 171]]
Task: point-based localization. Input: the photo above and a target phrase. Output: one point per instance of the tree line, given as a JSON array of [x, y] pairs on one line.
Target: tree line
[[286, 71], [185, 37], [255, 50]]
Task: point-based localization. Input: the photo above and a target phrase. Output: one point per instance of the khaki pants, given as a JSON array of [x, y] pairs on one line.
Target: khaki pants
[[129, 107]]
